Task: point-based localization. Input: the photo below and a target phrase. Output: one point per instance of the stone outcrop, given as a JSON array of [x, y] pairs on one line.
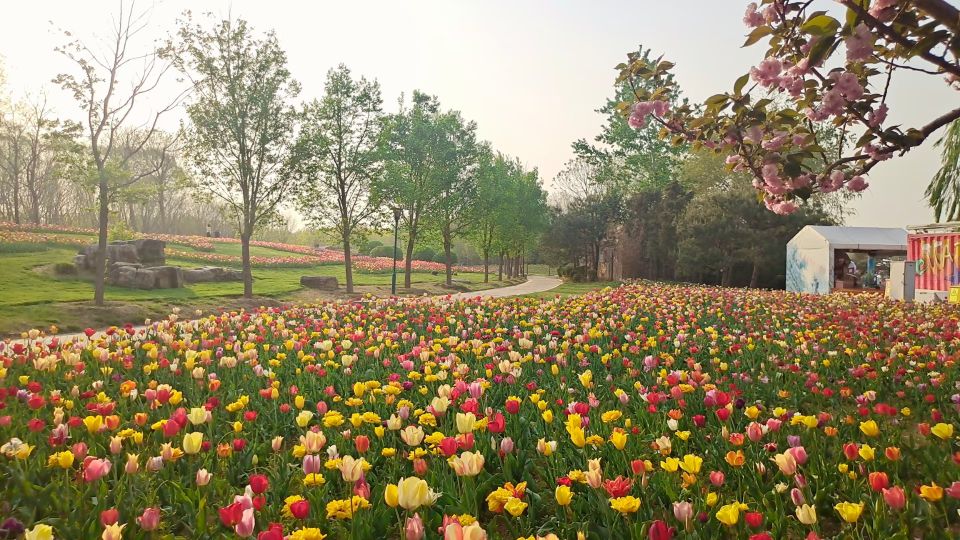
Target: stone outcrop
[[208, 274], [141, 264], [137, 276], [146, 251], [323, 283]]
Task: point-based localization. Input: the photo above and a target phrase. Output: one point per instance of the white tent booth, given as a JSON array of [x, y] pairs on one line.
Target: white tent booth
[[821, 258]]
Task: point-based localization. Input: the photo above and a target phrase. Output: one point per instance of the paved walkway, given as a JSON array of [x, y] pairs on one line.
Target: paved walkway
[[533, 284]]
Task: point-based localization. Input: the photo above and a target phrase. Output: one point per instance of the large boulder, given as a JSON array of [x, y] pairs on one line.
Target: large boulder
[[211, 274], [165, 277], [125, 276], [151, 252], [144, 279], [323, 283]]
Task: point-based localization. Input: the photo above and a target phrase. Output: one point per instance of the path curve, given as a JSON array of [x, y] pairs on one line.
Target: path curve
[[533, 284]]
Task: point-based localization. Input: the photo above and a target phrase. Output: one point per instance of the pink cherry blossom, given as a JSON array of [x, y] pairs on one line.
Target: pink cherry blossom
[[857, 184], [859, 44], [752, 18]]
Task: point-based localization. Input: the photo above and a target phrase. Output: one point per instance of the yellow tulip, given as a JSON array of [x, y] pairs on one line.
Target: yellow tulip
[[870, 428], [392, 495], [625, 505], [39, 532], [197, 416], [691, 463], [412, 493], [670, 465], [944, 431], [93, 423], [467, 464], [515, 506], [192, 442], [931, 493], [466, 422], [618, 439], [563, 495], [850, 512], [806, 514], [729, 514]]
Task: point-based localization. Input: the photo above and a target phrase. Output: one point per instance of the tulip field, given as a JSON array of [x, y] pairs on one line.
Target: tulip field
[[644, 411]]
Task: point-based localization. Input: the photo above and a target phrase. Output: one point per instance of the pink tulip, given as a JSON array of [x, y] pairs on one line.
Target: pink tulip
[[96, 469], [203, 477], [717, 478], [754, 432], [414, 529], [246, 525], [895, 498], [312, 464], [150, 519], [799, 454]]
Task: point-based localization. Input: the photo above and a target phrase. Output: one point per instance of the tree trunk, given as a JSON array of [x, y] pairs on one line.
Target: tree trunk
[[595, 271], [348, 262], [16, 184], [447, 248], [245, 256], [408, 260], [755, 275], [727, 277], [500, 270], [99, 287], [486, 265]]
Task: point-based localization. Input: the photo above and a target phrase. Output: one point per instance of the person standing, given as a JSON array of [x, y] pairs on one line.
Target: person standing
[[209, 229]]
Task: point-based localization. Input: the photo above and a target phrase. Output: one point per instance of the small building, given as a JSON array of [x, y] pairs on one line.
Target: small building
[[935, 249], [821, 259]]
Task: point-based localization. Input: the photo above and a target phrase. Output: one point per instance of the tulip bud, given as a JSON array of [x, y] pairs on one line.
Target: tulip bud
[[203, 477]]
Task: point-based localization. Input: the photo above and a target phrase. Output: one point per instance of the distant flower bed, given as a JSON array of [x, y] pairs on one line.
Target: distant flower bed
[[306, 256]]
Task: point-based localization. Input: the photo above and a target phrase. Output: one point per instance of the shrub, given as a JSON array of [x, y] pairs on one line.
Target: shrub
[[441, 258], [384, 251], [425, 254], [368, 245], [120, 231], [64, 269]]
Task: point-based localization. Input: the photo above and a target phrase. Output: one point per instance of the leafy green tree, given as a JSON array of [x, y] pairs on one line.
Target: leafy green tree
[[411, 150], [943, 193], [630, 158], [241, 120], [491, 208], [454, 186], [337, 157]]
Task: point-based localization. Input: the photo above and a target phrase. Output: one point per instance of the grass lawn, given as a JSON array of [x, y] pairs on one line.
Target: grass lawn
[[572, 289], [32, 296]]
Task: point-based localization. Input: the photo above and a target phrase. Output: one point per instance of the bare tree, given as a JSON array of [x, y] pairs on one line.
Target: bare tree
[[109, 87]]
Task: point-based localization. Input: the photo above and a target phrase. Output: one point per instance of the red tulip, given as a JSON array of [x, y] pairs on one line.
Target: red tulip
[[300, 509], [109, 517], [448, 445], [274, 532], [361, 443], [231, 515], [618, 487], [851, 451], [754, 519], [259, 483], [513, 406], [659, 530], [878, 481]]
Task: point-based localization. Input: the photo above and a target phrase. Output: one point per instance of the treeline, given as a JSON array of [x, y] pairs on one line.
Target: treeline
[[248, 151], [633, 205]]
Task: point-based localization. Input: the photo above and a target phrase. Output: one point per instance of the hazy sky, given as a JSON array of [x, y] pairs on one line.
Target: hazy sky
[[529, 72]]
